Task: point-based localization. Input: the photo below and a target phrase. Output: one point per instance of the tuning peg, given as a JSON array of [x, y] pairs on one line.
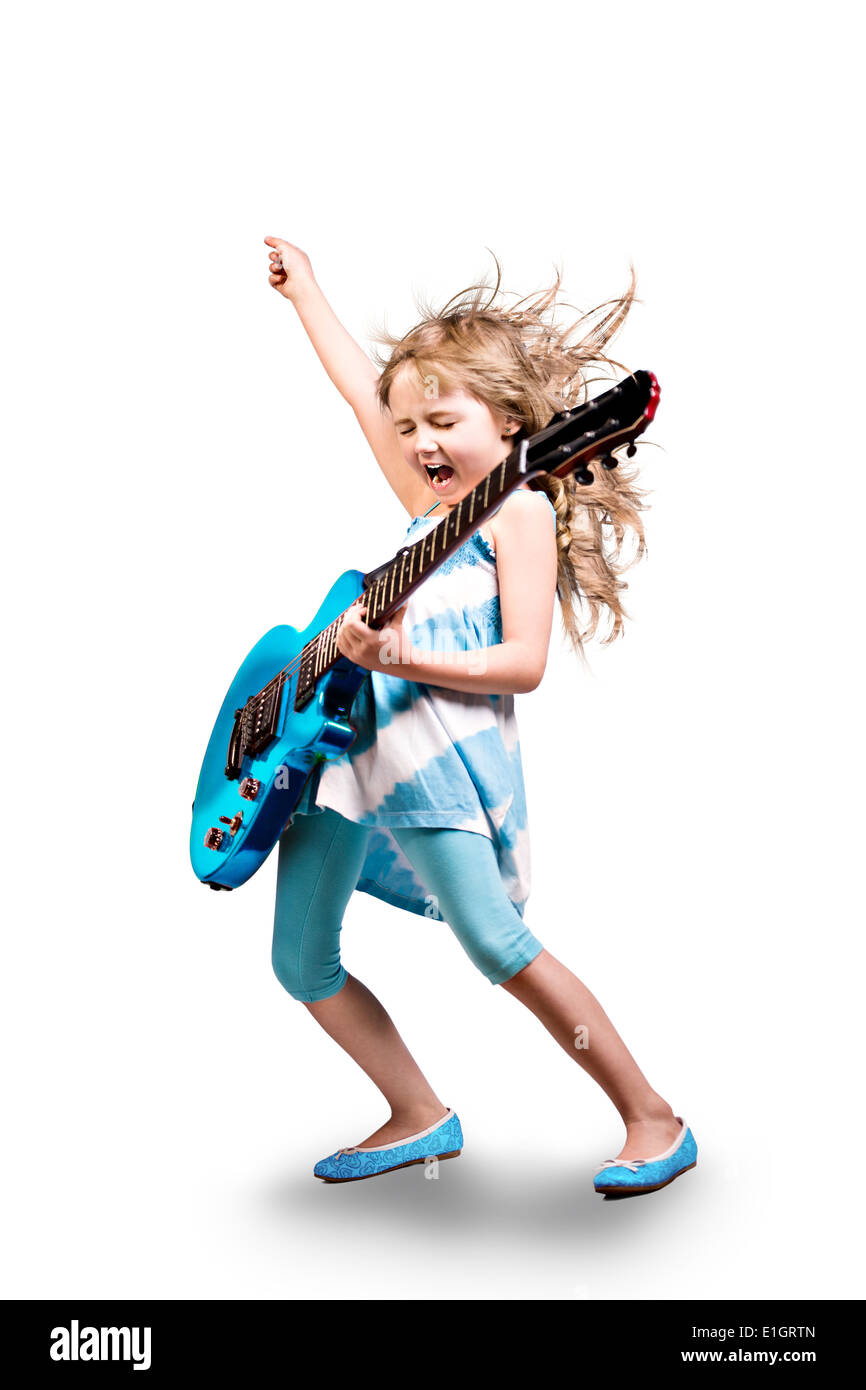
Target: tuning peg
[[584, 476], [609, 462], [631, 450]]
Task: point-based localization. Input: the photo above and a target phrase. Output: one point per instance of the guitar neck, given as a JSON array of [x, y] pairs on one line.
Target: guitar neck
[[387, 588]]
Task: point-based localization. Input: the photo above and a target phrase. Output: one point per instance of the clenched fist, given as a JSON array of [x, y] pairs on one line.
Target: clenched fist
[[290, 268]]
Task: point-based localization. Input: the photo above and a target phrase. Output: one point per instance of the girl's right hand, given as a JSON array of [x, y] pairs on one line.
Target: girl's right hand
[[290, 267]]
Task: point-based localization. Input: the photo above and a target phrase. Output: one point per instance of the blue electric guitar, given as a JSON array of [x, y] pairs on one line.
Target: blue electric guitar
[[288, 707]]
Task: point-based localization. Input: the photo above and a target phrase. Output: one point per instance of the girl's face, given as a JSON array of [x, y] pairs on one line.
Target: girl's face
[[452, 441]]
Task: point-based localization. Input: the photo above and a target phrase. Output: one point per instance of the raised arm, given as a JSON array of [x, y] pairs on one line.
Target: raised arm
[[346, 363]]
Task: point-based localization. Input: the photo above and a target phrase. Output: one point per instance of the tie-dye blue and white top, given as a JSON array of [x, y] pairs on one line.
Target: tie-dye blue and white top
[[425, 755]]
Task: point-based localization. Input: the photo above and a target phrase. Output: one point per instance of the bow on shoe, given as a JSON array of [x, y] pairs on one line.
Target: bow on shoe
[[632, 1163]]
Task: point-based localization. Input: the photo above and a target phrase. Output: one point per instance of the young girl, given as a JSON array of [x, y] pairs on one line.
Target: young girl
[[426, 809]]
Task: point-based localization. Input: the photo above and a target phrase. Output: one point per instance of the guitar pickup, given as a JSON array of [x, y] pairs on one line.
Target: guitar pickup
[[261, 717]]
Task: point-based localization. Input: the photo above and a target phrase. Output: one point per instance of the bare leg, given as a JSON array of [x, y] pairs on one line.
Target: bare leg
[[356, 1020], [562, 1003]]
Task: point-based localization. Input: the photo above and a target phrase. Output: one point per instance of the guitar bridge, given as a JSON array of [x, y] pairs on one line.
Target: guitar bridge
[[254, 728]]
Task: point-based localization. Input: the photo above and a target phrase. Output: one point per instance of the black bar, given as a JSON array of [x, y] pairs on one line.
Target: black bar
[[253, 1337]]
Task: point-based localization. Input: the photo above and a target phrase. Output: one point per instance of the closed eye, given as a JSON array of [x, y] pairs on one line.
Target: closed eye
[[436, 427]]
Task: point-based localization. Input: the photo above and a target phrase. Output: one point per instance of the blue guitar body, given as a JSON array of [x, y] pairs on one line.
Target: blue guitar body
[[236, 822]]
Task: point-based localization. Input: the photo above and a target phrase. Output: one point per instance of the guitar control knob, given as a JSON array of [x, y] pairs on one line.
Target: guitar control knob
[[214, 838], [250, 788]]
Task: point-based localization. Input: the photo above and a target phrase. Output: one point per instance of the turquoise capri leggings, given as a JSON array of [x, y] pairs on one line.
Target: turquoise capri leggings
[[320, 860]]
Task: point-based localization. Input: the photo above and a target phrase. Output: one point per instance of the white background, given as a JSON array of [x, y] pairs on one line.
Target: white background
[[181, 475]]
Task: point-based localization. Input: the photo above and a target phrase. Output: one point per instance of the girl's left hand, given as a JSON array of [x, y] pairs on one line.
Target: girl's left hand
[[375, 650]]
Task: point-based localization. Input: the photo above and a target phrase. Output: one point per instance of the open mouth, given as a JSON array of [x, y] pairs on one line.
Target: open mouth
[[440, 474]]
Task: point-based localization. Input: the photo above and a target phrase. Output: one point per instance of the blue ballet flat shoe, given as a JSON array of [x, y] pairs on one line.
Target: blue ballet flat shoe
[[442, 1140], [621, 1176]]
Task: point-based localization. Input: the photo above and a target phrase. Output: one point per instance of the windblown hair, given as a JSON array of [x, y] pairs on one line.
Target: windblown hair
[[520, 364]]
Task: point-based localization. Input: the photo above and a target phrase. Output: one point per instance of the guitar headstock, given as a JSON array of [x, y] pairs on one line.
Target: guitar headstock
[[573, 438]]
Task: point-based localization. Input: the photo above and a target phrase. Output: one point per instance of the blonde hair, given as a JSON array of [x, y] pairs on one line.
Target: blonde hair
[[521, 365]]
